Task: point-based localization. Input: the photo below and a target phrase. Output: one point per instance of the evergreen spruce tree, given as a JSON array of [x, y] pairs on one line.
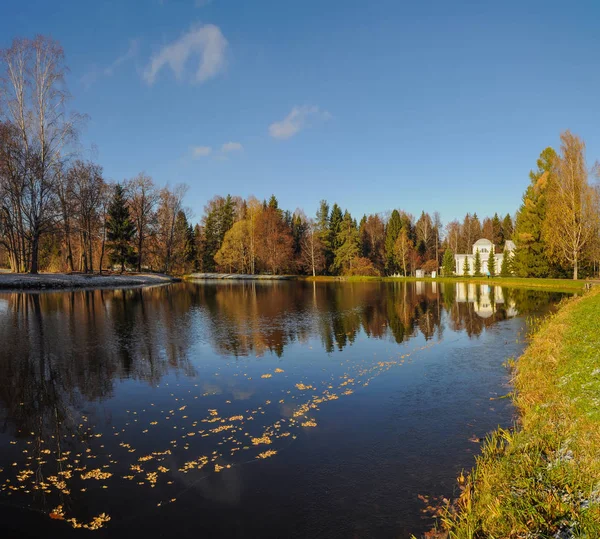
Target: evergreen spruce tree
[[299, 228], [506, 268], [348, 250], [448, 263], [322, 222], [466, 269], [120, 230], [530, 258], [335, 240], [477, 264], [219, 220], [498, 238], [507, 229], [211, 242], [190, 251], [364, 244], [392, 230], [492, 263], [199, 243]]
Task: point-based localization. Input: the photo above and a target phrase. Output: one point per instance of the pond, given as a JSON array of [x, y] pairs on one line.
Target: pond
[[222, 409]]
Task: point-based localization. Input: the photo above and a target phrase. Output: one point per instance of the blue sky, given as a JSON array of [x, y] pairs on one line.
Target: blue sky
[[376, 104]]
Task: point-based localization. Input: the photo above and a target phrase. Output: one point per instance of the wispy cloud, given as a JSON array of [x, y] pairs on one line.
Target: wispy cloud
[[201, 151], [204, 41], [231, 147], [220, 153], [96, 72], [298, 118], [132, 51]]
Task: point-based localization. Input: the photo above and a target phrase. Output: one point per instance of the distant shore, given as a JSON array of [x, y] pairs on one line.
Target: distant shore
[[567, 285], [238, 277], [46, 281], [563, 285], [42, 281]]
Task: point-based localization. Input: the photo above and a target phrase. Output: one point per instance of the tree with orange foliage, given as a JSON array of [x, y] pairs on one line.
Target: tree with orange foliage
[[274, 241]]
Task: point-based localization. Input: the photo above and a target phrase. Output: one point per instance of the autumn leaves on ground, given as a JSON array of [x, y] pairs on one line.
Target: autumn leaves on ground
[[542, 479]]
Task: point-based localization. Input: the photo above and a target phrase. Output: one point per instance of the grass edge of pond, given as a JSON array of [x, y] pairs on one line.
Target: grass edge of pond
[[559, 285], [543, 478]]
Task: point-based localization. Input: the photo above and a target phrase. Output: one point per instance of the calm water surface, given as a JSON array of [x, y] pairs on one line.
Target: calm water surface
[[248, 409]]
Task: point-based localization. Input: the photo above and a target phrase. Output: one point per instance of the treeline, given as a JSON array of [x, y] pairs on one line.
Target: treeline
[[250, 236]]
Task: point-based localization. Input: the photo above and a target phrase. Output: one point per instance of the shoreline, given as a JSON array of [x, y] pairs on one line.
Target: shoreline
[[237, 277], [64, 281], [559, 285], [543, 476]]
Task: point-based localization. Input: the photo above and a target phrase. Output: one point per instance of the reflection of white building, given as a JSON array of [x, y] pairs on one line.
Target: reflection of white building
[[485, 248], [482, 299]]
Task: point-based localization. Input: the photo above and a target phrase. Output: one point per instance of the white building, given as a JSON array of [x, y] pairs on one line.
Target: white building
[[485, 248]]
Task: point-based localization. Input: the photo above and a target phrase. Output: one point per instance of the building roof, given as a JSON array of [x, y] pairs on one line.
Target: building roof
[[483, 241]]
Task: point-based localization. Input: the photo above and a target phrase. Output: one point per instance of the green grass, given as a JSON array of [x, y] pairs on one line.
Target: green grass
[[543, 478], [562, 285]]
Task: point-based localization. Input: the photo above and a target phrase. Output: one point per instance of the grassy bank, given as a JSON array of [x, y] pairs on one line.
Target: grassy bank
[[563, 285], [543, 479]]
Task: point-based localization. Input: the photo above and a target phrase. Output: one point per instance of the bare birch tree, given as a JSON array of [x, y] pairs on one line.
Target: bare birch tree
[[34, 97], [170, 204], [312, 253], [143, 198]]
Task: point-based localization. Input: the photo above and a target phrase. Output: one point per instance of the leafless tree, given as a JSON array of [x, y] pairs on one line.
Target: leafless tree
[[143, 197], [313, 257], [87, 193], [34, 98], [170, 204]]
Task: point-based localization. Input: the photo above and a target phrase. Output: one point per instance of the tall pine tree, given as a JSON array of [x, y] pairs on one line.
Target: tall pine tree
[[466, 269], [492, 262], [120, 230], [392, 230], [348, 250], [530, 258], [506, 268], [448, 263], [322, 232], [219, 219], [335, 239], [477, 264]]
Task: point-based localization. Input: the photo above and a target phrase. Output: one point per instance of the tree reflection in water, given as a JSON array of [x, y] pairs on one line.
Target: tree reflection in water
[[66, 355]]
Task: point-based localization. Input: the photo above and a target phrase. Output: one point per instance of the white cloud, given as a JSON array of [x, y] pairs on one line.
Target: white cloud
[[131, 53], [95, 73], [201, 151], [205, 41], [296, 120], [231, 147]]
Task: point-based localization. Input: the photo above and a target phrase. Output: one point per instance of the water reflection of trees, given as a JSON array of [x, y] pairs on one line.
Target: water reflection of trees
[[255, 318], [60, 349]]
